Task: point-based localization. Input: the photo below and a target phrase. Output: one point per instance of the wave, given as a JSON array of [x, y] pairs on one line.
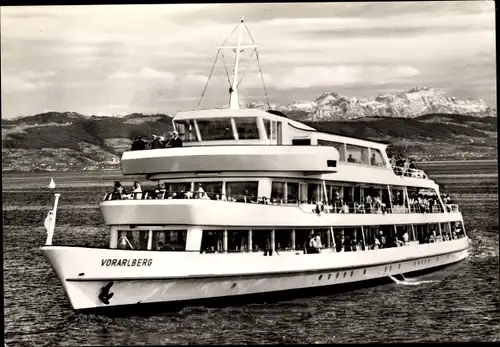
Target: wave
[[411, 282]]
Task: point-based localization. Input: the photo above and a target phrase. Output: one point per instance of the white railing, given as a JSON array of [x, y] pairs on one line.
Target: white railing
[[407, 172]]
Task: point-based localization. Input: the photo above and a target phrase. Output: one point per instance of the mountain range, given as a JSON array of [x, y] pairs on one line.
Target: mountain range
[[69, 141], [411, 103]]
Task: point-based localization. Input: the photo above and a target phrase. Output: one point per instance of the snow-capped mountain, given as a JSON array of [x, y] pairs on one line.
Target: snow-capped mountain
[[408, 104]]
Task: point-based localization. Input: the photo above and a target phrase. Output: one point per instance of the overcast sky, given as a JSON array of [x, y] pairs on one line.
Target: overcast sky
[[108, 60]]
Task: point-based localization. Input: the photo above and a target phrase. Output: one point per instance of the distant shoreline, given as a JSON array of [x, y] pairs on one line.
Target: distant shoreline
[[439, 164]]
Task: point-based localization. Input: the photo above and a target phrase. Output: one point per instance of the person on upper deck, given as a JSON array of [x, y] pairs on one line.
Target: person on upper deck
[[350, 159], [138, 144], [175, 141], [118, 190], [137, 190], [158, 142], [373, 160]]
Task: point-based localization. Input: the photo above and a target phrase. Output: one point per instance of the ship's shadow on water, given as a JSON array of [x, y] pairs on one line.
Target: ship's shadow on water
[[265, 299]]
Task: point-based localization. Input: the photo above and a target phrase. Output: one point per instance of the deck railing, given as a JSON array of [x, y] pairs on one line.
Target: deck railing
[[407, 172], [304, 206]]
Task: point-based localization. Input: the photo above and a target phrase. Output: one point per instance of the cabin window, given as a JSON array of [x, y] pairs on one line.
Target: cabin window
[[292, 192], [175, 189], [302, 238], [186, 130], [338, 146], [283, 239], [242, 191], [237, 240], [212, 241], [215, 129], [133, 239], [278, 192], [260, 238], [314, 193], [376, 158], [213, 190], [169, 240], [247, 128]]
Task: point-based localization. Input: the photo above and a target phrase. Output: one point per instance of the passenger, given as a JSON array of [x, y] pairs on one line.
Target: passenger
[[118, 191], [368, 203], [345, 208], [373, 160], [246, 197], [339, 246], [269, 249], [405, 238], [317, 239], [175, 141], [187, 195], [158, 142], [137, 190], [383, 242], [350, 159], [200, 192], [136, 144], [376, 243], [354, 245]]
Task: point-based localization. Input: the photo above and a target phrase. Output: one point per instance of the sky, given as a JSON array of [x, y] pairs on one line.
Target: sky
[[119, 59]]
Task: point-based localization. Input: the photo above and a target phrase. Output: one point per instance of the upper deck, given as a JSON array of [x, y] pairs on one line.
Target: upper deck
[[227, 140]]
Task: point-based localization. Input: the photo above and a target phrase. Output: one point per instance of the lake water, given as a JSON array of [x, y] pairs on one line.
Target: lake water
[[459, 303]]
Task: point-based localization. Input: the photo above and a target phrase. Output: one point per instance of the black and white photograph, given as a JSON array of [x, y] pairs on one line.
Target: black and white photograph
[[250, 173]]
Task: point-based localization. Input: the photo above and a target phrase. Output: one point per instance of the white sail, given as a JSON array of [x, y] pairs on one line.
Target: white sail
[[52, 184]]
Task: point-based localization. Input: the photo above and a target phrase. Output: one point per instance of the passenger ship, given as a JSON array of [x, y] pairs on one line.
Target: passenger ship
[[236, 206]]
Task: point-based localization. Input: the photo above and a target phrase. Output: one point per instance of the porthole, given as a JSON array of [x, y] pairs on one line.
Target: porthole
[[352, 273], [338, 274], [320, 277], [390, 268], [414, 263], [345, 274], [233, 286], [399, 267], [329, 276], [437, 259], [385, 270], [364, 272]]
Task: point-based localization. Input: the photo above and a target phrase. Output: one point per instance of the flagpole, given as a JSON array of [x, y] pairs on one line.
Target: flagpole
[[52, 225]]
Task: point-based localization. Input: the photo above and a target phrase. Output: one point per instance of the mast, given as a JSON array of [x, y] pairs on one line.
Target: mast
[[234, 102]]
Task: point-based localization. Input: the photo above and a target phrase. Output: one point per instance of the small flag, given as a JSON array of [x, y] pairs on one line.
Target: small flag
[[48, 220], [52, 184]]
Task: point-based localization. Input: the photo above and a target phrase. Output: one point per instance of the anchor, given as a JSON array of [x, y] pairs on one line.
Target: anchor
[[105, 295]]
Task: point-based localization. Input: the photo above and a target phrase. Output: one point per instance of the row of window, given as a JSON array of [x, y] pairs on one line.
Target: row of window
[[356, 154], [290, 192], [222, 129], [290, 239]]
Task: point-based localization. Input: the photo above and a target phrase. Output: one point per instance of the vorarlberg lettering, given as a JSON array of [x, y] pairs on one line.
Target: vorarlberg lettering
[[126, 262]]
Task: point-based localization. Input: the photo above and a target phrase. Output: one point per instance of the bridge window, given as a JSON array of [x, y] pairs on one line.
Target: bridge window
[[247, 128], [270, 129], [242, 191], [357, 154], [178, 188], [338, 146], [169, 240], [215, 129], [186, 130], [376, 158]]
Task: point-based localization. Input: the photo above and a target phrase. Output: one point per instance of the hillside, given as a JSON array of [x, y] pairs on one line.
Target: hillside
[[69, 141]]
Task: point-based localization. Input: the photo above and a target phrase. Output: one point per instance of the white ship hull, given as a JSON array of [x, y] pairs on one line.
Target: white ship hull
[[184, 276]]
